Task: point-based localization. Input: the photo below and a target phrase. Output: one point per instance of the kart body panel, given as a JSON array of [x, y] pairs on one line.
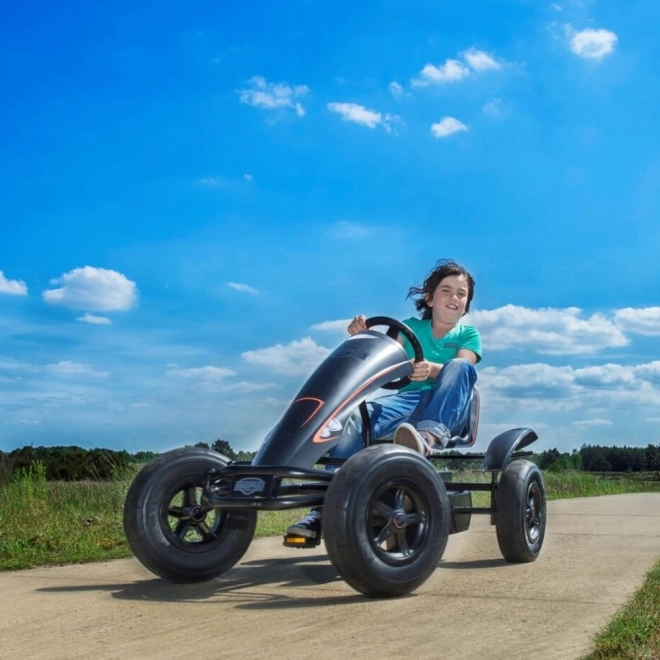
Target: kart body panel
[[318, 415]]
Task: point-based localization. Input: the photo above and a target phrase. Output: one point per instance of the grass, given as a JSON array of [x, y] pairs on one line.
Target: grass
[[44, 523], [48, 523], [634, 633]]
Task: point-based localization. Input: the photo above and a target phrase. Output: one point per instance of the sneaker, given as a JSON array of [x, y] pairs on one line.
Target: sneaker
[[408, 436], [309, 526], [422, 442]]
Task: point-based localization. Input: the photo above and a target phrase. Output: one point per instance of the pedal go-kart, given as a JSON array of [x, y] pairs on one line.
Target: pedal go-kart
[[190, 514]]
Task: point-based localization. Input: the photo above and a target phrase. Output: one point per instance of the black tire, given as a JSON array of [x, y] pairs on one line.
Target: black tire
[[386, 519], [172, 531], [520, 512]]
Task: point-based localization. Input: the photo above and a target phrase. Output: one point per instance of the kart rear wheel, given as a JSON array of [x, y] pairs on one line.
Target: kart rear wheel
[[520, 512], [386, 520], [172, 530]]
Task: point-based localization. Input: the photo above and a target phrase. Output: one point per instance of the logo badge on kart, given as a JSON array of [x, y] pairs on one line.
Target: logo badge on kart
[[250, 485], [353, 351]]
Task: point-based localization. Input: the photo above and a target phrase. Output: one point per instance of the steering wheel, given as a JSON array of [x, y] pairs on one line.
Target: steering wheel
[[394, 328]]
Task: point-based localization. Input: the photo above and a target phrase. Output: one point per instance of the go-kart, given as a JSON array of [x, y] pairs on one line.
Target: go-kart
[[190, 514]]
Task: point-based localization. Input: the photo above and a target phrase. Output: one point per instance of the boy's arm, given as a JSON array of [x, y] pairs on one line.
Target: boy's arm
[[468, 355]]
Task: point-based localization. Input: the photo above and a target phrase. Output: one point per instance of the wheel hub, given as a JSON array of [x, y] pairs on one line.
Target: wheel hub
[[399, 519], [196, 514]]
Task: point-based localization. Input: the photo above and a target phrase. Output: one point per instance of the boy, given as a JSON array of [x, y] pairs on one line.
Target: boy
[[434, 406]]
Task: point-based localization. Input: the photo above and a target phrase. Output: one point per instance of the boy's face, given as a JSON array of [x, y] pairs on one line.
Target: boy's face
[[449, 299]]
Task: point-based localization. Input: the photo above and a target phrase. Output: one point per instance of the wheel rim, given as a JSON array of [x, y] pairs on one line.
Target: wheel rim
[[533, 513], [187, 520], [398, 522]]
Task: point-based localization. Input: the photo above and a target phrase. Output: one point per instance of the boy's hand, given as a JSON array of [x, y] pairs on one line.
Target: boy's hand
[[422, 370], [358, 324]]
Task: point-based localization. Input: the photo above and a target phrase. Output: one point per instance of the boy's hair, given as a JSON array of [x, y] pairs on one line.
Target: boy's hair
[[444, 268]]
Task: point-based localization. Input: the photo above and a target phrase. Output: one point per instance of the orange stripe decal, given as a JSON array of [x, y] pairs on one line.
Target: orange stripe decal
[[318, 407]]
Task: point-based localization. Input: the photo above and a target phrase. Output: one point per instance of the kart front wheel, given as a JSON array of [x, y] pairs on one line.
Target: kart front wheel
[[172, 530], [520, 512], [386, 520]]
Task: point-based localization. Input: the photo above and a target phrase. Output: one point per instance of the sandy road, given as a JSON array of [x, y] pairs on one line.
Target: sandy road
[[280, 603]]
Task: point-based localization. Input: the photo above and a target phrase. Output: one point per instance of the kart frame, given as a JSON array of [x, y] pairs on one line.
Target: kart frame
[[310, 485], [387, 512]]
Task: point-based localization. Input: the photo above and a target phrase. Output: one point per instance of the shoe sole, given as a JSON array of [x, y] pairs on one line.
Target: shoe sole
[[408, 438], [301, 531]]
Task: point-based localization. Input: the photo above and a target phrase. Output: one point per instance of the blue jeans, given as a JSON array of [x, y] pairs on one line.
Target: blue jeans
[[445, 406]]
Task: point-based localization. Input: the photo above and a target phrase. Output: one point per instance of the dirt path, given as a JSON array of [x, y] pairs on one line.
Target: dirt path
[[280, 603]]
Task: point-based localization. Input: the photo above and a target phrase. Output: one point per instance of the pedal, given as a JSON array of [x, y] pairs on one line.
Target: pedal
[[301, 542]]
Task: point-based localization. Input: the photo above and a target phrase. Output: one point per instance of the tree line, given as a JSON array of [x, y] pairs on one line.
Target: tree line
[[594, 458], [71, 463]]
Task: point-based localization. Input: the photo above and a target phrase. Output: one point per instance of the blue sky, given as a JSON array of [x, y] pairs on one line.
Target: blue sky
[[194, 199]]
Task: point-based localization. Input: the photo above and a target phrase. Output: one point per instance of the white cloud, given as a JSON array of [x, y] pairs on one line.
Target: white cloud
[[361, 115], [649, 372], [447, 126], [297, 358], [332, 326], [243, 288], [644, 321], [480, 60], [346, 229], [396, 89], [604, 388], [550, 331], [493, 108], [232, 183], [606, 375], [273, 96], [590, 43], [586, 423], [450, 71], [212, 181], [202, 373], [528, 380], [94, 289], [244, 386], [74, 368], [94, 319], [12, 287]]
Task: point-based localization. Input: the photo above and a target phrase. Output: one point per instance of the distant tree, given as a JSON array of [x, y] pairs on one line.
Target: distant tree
[[548, 458], [652, 457], [144, 456], [224, 448], [71, 463]]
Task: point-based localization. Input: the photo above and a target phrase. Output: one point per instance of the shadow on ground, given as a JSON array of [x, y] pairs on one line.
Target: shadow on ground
[[239, 584]]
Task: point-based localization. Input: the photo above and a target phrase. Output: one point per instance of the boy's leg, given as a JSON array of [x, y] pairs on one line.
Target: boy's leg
[[385, 415], [445, 412]]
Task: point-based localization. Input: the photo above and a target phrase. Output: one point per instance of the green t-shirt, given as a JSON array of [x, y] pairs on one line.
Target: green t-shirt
[[440, 350]]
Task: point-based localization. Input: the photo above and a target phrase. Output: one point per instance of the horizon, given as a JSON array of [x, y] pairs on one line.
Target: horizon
[[194, 204]]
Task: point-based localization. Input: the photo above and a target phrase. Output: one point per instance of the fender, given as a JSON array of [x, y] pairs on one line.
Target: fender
[[502, 446]]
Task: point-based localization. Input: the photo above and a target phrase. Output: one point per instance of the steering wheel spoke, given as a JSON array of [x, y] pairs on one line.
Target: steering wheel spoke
[[394, 328]]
